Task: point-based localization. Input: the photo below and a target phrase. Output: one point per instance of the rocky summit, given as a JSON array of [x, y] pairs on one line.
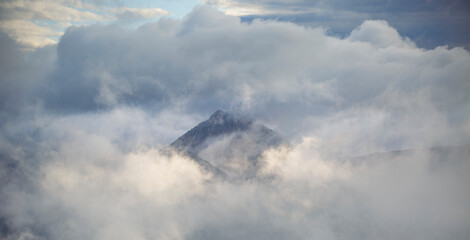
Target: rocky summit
[[228, 144]]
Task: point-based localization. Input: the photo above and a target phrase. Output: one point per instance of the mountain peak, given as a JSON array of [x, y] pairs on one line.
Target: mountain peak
[[219, 123], [218, 117], [218, 114], [227, 143]]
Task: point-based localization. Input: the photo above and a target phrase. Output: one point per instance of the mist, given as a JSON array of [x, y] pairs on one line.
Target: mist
[[83, 123]]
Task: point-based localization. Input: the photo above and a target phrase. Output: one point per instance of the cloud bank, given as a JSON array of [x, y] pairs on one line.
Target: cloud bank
[[82, 122], [429, 23]]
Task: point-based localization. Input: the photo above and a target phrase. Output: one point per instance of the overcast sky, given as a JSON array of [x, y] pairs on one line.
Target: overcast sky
[[91, 90], [430, 23]]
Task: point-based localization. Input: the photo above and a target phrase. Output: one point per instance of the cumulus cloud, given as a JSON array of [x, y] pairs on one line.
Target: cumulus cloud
[[379, 34], [83, 122], [210, 61]]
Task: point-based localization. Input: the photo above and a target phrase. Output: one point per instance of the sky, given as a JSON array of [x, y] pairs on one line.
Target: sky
[[39, 23], [90, 91], [430, 23]]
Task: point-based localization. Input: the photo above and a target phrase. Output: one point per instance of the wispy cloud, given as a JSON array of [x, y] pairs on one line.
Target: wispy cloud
[[39, 23], [129, 14]]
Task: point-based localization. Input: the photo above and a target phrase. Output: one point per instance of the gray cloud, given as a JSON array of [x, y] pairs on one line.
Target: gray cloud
[[428, 23], [209, 61], [82, 123]]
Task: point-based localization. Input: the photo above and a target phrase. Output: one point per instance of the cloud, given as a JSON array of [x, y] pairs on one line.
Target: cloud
[[40, 23], [428, 23], [21, 74], [29, 34], [380, 34], [282, 73], [209, 61], [82, 122], [129, 14], [35, 23], [88, 183]]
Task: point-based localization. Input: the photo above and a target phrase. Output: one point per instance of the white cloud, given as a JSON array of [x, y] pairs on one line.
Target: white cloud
[[210, 61], [33, 23], [126, 13], [81, 122], [39, 23], [380, 34], [86, 182], [28, 34]]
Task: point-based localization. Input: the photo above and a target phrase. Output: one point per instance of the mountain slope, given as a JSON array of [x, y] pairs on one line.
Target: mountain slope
[[227, 143], [218, 124]]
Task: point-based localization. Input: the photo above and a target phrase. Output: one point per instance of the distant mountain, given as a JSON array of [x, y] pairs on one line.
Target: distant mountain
[[227, 143]]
